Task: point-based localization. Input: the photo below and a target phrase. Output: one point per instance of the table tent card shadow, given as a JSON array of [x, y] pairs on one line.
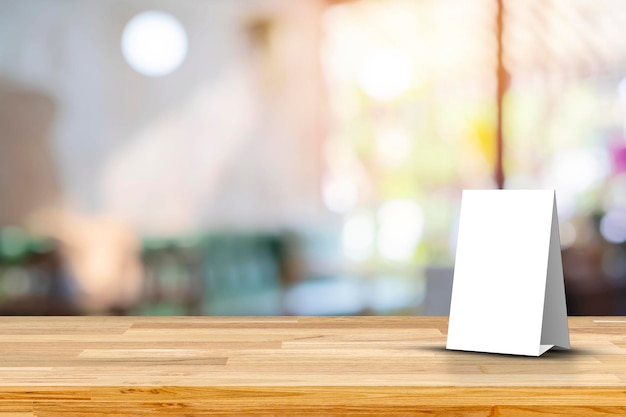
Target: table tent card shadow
[[508, 294]]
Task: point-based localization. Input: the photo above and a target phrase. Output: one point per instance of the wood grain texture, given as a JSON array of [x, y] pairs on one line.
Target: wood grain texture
[[201, 366]]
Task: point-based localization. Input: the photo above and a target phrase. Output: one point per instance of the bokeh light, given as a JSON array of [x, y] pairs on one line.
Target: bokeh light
[[358, 235], [592, 166], [393, 146], [385, 73], [339, 194], [613, 226], [154, 43], [400, 229]]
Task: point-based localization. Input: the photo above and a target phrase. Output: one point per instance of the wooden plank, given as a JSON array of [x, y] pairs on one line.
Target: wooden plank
[[331, 401]]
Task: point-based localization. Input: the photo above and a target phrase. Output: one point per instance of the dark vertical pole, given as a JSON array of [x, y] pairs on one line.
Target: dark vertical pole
[[502, 80]]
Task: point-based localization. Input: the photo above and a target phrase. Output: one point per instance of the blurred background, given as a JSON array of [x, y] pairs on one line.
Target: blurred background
[[269, 157]]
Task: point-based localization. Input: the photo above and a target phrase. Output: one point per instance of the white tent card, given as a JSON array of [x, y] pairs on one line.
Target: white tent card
[[508, 294]]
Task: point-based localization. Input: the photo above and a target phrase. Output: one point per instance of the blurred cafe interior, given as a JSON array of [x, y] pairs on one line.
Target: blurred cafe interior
[[280, 157]]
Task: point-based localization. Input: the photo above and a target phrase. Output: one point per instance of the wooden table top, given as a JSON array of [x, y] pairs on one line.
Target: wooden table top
[[302, 365]]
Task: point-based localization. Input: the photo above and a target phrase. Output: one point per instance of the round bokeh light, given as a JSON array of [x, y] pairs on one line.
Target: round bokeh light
[[154, 43]]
